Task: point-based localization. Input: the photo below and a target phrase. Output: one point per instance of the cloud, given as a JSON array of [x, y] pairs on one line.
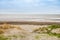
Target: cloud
[[28, 1], [52, 0], [29, 5], [31, 1]]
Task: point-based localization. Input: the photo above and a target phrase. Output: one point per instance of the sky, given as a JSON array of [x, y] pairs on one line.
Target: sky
[[30, 6]]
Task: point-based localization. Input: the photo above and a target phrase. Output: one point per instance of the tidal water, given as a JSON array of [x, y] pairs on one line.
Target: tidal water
[[29, 17]]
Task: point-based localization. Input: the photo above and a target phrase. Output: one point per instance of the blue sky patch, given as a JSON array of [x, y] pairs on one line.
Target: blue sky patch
[[41, 6]]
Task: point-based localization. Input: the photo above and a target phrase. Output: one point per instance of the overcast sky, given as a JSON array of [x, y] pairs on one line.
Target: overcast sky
[[30, 6]]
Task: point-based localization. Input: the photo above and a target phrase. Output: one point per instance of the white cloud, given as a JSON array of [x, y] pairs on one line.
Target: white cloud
[[29, 1], [52, 0], [36, 5], [37, 0]]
